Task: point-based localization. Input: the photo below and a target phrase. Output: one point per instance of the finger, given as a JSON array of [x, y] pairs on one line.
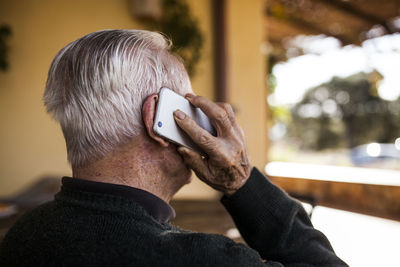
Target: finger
[[229, 110], [201, 137], [232, 117], [218, 116], [194, 160]]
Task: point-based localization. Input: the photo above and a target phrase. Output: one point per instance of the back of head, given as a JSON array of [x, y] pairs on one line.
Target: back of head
[[97, 84]]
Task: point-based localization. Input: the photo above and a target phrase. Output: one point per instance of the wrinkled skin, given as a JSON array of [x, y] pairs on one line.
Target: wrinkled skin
[[227, 166]]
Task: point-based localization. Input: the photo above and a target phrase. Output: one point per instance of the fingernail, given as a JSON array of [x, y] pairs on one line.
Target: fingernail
[[181, 150], [179, 114], [188, 96]]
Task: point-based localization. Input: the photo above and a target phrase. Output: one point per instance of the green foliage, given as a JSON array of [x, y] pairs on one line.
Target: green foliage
[[281, 114], [178, 24], [5, 33], [345, 112]]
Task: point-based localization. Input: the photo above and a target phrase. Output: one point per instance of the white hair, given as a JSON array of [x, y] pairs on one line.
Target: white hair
[[97, 84]]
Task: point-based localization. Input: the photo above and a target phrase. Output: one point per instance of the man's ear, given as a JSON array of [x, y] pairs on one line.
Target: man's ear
[[148, 114]]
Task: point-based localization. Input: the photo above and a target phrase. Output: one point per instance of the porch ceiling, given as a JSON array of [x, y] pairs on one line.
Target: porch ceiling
[[350, 21]]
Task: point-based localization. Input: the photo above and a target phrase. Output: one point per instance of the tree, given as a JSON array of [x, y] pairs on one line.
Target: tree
[[345, 112]]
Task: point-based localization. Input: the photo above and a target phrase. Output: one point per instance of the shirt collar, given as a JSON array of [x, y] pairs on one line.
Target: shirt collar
[[156, 207]]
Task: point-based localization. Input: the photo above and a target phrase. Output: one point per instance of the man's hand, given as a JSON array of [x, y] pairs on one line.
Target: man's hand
[[227, 166]]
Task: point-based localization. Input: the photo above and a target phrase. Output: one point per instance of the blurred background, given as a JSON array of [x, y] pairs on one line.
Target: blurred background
[[315, 85]]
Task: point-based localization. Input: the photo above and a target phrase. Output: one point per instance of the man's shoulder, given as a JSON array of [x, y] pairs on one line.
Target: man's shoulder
[[209, 249], [34, 216], [55, 231]]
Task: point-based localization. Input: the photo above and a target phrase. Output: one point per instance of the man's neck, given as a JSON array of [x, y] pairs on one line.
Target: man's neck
[[141, 164]]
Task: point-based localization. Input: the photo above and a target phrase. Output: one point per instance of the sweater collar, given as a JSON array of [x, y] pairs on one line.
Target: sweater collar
[[155, 206]]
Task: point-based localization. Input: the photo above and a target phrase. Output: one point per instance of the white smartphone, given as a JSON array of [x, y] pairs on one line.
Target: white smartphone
[[164, 122]]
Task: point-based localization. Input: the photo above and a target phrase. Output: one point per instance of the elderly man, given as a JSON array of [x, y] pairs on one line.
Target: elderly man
[[102, 89]]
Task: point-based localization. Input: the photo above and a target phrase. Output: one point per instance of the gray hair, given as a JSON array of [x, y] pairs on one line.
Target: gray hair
[[96, 86]]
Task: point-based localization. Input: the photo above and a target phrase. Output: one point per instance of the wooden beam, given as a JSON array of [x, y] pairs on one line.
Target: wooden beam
[[220, 51], [347, 7], [308, 26], [376, 200]]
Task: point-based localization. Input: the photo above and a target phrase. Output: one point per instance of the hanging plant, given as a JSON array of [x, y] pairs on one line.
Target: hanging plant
[[5, 32], [178, 24]]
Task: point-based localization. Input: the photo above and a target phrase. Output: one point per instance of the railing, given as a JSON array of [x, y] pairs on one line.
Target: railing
[[368, 191]]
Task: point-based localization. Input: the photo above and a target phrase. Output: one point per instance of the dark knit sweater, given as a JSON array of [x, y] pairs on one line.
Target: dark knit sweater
[[86, 228]]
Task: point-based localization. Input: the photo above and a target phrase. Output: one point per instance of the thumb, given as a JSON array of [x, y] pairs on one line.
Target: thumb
[[194, 160]]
